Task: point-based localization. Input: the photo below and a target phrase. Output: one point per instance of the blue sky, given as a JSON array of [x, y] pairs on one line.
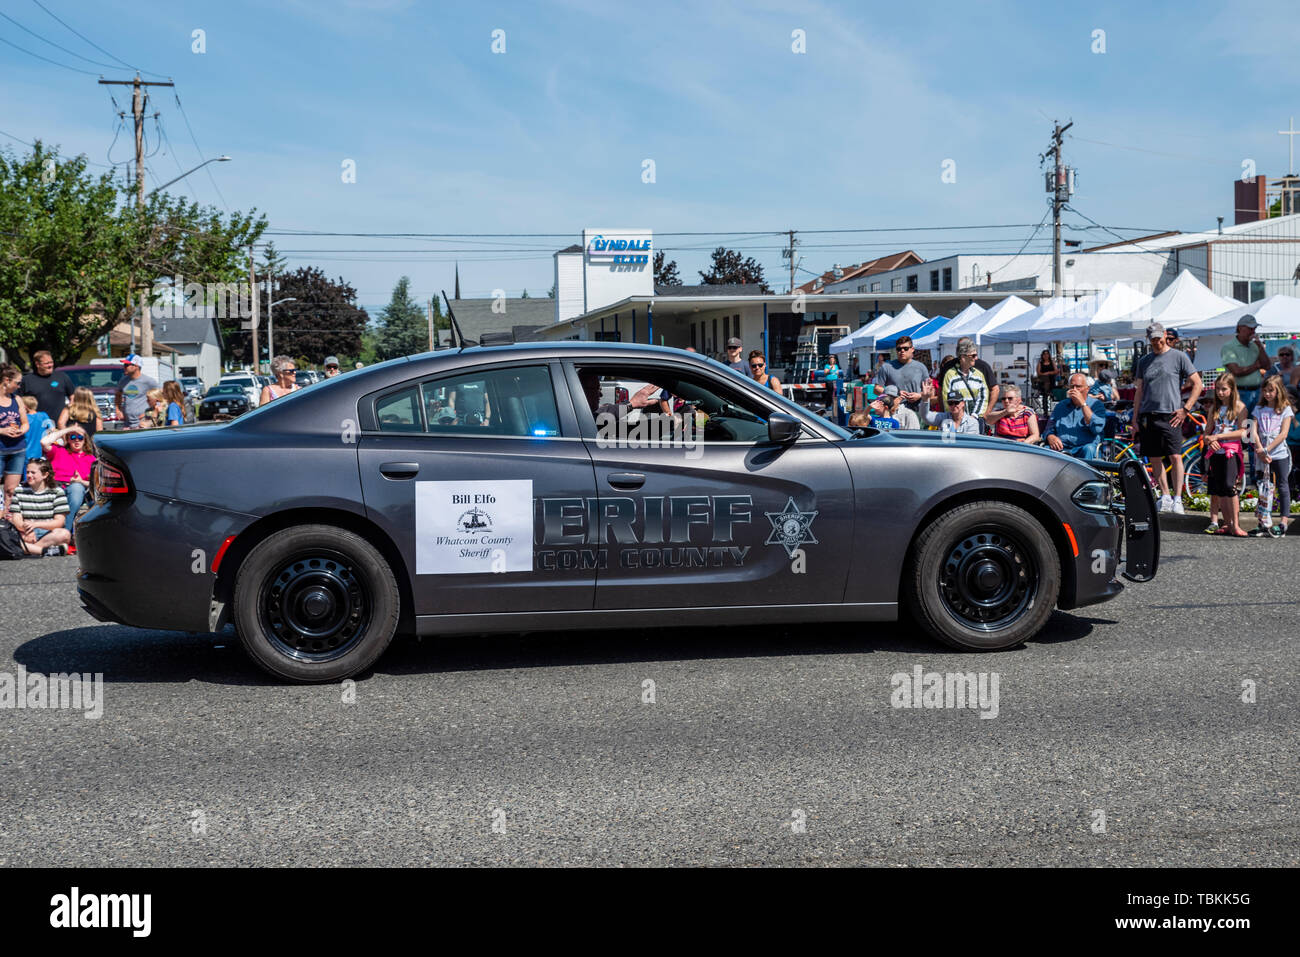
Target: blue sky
[[746, 135]]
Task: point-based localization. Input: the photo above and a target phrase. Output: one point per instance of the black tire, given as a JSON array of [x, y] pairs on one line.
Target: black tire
[[985, 576], [315, 603]]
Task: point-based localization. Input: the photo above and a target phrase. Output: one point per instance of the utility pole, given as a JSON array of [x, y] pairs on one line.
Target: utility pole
[[429, 309], [138, 98], [1060, 183], [256, 297], [788, 253]]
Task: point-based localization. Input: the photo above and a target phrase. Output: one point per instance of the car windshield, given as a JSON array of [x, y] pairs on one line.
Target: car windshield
[[227, 389], [189, 382], [105, 378]]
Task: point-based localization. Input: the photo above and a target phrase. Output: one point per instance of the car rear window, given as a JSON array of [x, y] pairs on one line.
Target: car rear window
[[105, 378]]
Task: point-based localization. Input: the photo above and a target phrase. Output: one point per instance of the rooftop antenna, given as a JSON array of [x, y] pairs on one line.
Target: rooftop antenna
[[451, 317]]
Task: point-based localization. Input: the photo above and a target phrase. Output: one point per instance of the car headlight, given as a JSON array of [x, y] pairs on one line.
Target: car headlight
[[1094, 496]]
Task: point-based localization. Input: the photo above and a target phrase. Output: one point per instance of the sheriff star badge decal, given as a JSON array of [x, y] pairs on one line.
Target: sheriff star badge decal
[[791, 527]]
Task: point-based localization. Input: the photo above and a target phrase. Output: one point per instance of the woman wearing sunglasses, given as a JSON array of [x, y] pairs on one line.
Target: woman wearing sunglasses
[[285, 371], [71, 455], [758, 369]]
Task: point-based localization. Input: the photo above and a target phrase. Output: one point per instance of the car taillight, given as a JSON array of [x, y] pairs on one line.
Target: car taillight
[[620, 395], [109, 481]]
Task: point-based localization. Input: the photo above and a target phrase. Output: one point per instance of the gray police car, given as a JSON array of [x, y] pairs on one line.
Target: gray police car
[[497, 489]]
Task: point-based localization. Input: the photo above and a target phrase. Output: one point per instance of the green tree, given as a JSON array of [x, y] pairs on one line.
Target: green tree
[[273, 264], [729, 267], [76, 255], [403, 326], [323, 319], [666, 274]]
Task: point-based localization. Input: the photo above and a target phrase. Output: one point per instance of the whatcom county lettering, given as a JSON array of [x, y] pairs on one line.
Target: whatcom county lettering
[[75, 910], [58, 692], [953, 690]]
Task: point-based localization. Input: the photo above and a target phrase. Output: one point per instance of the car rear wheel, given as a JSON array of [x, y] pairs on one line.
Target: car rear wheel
[[985, 576], [315, 603]]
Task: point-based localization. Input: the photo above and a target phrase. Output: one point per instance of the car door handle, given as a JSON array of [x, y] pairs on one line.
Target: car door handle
[[399, 470], [625, 481]]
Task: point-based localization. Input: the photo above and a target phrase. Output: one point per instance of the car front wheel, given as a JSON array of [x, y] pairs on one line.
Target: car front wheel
[[315, 603], [986, 576]]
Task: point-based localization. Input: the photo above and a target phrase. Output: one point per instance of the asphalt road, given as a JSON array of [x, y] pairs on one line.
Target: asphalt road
[[1132, 708]]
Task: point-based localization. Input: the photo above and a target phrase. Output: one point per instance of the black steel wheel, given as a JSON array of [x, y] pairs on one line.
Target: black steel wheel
[[986, 576], [315, 603], [988, 579]]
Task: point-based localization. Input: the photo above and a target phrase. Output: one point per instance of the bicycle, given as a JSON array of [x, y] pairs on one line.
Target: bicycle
[[1195, 468]]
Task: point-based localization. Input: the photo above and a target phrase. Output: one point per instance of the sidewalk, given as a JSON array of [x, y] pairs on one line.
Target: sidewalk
[[1196, 522]]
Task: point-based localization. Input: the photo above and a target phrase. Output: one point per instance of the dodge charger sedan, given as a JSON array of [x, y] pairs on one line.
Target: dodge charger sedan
[[499, 489]]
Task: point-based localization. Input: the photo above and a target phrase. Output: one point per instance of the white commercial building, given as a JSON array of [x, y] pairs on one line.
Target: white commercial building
[[1247, 262]]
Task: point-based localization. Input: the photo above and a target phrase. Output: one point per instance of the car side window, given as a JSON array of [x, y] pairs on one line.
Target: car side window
[[663, 406], [515, 401], [399, 411]]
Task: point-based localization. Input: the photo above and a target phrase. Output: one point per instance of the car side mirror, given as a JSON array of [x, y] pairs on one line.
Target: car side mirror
[[783, 427]]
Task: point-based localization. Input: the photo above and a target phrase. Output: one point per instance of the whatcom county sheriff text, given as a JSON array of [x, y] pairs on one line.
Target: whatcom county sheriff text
[[953, 689], [71, 692], [75, 909]]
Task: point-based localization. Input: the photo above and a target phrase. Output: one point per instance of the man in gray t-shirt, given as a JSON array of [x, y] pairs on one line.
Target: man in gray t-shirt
[[132, 392], [905, 373], [1161, 410]]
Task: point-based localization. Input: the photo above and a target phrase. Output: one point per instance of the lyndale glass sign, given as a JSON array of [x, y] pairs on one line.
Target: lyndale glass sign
[[618, 252]]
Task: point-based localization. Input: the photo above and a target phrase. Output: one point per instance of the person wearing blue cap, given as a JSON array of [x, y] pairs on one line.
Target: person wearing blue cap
[[132, 396]]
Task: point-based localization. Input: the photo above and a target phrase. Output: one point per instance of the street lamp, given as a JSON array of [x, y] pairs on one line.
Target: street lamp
[[215, 159], [270, 327]]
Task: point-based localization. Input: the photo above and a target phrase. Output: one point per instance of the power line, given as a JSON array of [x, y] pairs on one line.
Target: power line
[[176, 159], [55, 45], [570, 234], [195, 141], [47, 59], [92, 42]]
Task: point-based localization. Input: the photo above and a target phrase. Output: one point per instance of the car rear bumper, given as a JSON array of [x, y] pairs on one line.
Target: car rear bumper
[[134, 568]]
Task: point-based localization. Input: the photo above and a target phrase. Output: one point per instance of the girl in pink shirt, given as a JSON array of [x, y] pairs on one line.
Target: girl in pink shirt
[[72, 455]]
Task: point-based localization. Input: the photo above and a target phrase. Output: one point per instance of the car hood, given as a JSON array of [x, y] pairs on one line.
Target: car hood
[[936, 440]]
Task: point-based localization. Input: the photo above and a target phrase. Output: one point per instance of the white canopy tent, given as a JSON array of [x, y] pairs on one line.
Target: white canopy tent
[[906, 319], [1275, 315], [849, 342], [992, 318], [945, 333], [1070, 320], [1185, 300]]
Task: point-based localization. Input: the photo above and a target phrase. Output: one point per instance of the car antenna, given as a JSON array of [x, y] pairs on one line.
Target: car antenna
[[451, 316]]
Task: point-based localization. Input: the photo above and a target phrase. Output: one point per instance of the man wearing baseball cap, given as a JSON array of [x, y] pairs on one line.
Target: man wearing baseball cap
[[734, 360], [1246, 358], [891, 405], [956, 419], [331, 366], [132, 392], [1161, 409]]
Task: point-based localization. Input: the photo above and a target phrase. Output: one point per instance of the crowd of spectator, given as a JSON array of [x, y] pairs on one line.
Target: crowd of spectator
[[1253, 412], [47, 444]]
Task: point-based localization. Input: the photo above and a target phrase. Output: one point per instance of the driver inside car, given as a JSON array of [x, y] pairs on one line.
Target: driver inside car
[[590, 379]]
